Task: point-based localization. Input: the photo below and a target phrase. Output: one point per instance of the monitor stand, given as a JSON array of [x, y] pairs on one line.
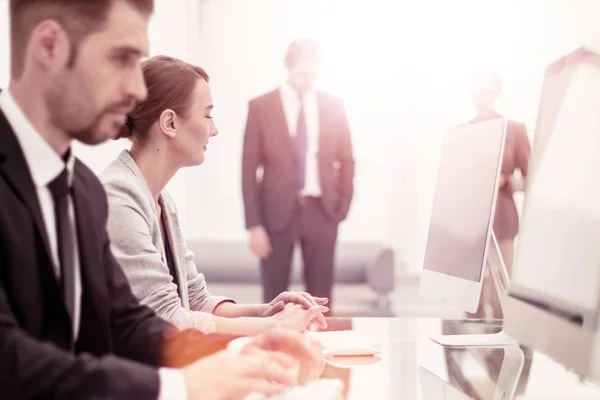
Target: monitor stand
[[505, 387], [510, 373], [502, 281]]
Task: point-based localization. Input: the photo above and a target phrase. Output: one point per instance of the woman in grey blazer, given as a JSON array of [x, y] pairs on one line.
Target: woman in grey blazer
[[169, 131]]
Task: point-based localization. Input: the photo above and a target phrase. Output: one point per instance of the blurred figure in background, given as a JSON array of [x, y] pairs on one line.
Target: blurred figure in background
[[485, 90], [300, 138]]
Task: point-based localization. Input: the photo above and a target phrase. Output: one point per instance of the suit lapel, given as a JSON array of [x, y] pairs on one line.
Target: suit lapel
[[322, 122], [278, 120], [173, 231], [16, 172], [90, 253]]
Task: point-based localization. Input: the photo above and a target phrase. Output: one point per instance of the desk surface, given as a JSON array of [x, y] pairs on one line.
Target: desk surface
[[411, 366]]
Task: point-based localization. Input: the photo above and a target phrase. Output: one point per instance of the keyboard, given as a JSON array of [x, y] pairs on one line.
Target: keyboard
[[321, 389]]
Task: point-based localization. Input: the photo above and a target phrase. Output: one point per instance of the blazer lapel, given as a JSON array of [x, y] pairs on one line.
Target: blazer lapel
[[92, 273], [129, 162], [16, 172], [176, 242], [322, 122], [278, 121], [14, 169]]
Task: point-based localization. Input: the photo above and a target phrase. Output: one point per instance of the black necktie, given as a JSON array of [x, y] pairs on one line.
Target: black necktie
[[60, 190], [301, 146]]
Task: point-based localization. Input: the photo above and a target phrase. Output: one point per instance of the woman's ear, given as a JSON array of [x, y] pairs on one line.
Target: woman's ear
[[168, 122]]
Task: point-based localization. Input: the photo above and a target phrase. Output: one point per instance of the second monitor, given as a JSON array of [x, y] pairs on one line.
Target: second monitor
[[462, 216]]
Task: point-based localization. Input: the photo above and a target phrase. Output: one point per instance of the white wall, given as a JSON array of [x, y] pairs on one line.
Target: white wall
[[402, 68]]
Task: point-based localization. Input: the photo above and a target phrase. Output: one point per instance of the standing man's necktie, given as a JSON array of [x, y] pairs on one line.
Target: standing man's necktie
[[65, 233], [301, 146]]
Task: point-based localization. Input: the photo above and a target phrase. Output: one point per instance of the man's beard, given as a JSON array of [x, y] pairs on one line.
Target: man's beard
[[75, 113], [93, 134]]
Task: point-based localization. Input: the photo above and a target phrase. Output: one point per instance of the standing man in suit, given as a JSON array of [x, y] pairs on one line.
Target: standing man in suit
[[299, 137], [70, 327]]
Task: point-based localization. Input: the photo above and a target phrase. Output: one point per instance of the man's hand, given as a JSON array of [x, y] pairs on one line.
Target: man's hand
[[260, 243], [307, 351], [505, 183], [298, 318], [302, 298], [225, 375]]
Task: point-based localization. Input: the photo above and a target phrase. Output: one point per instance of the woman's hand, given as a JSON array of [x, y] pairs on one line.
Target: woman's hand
[[505, 183], [301, 298], [297, 318]]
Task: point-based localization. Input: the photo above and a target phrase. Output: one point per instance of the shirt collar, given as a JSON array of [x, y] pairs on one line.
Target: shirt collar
[[290, 93], [44, 163], [486, 117]]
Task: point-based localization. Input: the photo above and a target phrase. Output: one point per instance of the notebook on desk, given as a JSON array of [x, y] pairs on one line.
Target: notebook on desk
[[346, 343]]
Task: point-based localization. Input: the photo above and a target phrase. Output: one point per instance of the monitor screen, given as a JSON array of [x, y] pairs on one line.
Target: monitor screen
[[464, 199], [557, 259]]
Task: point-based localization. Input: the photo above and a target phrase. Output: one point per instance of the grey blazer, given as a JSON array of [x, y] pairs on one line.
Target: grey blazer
[[136, 241]]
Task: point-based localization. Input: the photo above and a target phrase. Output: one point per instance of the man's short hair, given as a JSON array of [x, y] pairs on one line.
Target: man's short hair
[[79, 18], [302, 49]]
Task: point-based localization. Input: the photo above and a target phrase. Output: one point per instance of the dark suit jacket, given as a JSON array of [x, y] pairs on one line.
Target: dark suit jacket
[[120, 342], [272, 201]]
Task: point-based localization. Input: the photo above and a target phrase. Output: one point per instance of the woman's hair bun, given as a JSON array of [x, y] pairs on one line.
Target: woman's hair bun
[[127, 129]]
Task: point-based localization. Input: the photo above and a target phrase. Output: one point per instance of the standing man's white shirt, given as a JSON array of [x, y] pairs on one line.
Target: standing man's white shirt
[[45, 165], [291, 106]]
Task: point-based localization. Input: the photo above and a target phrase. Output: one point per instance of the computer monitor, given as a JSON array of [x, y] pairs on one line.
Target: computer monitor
[[462, 214], [554, 297]]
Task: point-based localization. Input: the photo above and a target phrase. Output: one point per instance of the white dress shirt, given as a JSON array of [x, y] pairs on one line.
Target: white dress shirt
[[291, 107], [45, 165]]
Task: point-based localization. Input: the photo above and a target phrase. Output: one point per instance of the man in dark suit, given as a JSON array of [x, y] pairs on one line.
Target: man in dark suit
[[300, 139], [70, 326]]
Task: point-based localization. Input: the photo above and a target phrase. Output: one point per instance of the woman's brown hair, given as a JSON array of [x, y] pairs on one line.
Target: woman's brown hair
[[170, 84]]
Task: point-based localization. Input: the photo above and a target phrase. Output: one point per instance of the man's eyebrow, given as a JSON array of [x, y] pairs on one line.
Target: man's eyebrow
[[128, 49]]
